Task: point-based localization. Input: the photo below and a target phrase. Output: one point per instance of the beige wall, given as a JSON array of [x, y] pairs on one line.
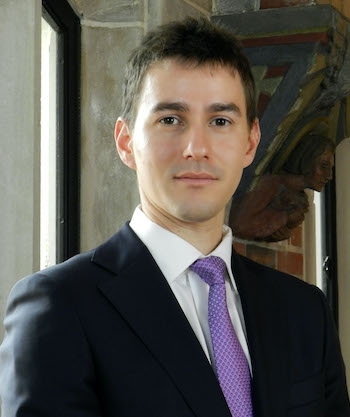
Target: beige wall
[[343, 242], [20, 142], [108, 188]]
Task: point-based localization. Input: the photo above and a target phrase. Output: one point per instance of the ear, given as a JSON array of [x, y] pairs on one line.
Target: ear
[[123, 142], [253, 142]]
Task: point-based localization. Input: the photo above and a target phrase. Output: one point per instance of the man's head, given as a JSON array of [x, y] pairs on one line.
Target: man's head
[[186, 129], [190, 42]]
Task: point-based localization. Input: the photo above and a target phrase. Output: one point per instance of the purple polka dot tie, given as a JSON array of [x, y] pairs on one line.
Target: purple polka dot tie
[[231, 364]]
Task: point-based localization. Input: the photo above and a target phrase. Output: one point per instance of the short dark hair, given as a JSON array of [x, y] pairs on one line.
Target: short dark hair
[[192, 42]]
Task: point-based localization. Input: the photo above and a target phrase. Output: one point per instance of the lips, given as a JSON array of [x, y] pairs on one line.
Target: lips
[[196, 175], [196, 178]]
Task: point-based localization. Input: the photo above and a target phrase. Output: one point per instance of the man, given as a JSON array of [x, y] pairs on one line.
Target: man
[[123, 331]]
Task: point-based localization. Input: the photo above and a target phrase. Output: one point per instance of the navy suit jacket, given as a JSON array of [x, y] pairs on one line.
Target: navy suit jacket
[[102, 335]]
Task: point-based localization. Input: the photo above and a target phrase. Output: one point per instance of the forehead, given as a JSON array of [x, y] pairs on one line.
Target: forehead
[[172, 79]]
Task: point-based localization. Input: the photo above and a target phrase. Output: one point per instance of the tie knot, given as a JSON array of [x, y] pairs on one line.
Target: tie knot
[[210, 269]]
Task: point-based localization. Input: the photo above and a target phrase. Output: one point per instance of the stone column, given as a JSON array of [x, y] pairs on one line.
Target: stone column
[[343, 246], [221, 7], [109, 191]]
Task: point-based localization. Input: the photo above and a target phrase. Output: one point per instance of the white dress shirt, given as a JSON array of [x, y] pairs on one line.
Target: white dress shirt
[[174, 256]]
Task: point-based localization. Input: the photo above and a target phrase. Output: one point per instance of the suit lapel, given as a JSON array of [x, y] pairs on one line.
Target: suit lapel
[[266, 324], [143, 297]]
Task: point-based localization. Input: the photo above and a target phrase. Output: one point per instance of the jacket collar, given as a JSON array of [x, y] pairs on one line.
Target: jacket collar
[[156, 317]]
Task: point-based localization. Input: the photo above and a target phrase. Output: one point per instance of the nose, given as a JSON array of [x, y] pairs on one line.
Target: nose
[[196, 144]]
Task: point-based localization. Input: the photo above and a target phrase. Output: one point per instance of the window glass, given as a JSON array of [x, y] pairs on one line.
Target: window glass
[[48, 203]]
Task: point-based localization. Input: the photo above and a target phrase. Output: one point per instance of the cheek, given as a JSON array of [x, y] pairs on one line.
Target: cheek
[[152, 144], [165, 151], [140, 142], [233, 155], [153, 160]]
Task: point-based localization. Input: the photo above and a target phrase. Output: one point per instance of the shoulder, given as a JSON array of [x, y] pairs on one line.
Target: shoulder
[[306, 313], [54, 300], [47, 296], [51, 279], [89, 268], [77, 279]]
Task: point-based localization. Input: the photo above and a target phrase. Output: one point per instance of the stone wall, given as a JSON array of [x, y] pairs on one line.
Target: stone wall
[[239, 6]]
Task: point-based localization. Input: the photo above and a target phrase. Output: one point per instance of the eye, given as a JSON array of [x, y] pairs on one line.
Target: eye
[[220, 121], [170, 120]]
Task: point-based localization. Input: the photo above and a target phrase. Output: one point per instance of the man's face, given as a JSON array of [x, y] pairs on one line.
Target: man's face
[[190, 141]]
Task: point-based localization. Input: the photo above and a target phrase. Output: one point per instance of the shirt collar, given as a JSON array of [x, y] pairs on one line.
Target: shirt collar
[[173, 254]]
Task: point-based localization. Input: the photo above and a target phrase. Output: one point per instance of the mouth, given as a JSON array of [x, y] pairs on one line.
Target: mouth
[[195, 178]]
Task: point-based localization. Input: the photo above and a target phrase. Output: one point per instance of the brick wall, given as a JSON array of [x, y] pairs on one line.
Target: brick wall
[[286, 256]]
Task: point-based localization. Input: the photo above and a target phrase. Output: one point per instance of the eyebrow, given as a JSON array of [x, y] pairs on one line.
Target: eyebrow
[[183, 107], [225, 107], [177, 106]]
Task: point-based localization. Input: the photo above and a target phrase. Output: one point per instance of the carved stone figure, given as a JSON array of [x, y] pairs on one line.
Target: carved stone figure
[[278, 203]]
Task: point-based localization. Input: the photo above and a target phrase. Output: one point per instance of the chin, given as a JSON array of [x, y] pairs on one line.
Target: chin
[[198, 214]]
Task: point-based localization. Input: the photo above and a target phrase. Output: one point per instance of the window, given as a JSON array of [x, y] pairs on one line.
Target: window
[[319, 239], [60, 74], [49, 172], [326, 245]]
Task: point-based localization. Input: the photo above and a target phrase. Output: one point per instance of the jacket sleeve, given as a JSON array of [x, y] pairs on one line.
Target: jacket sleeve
[[336, 394], [46, 367]]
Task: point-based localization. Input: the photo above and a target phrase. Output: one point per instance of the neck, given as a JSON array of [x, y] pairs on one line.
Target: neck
[[204, 236]]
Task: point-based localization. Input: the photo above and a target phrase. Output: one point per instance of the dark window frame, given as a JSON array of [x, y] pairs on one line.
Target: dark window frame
[[330, 267], [68, 27]]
